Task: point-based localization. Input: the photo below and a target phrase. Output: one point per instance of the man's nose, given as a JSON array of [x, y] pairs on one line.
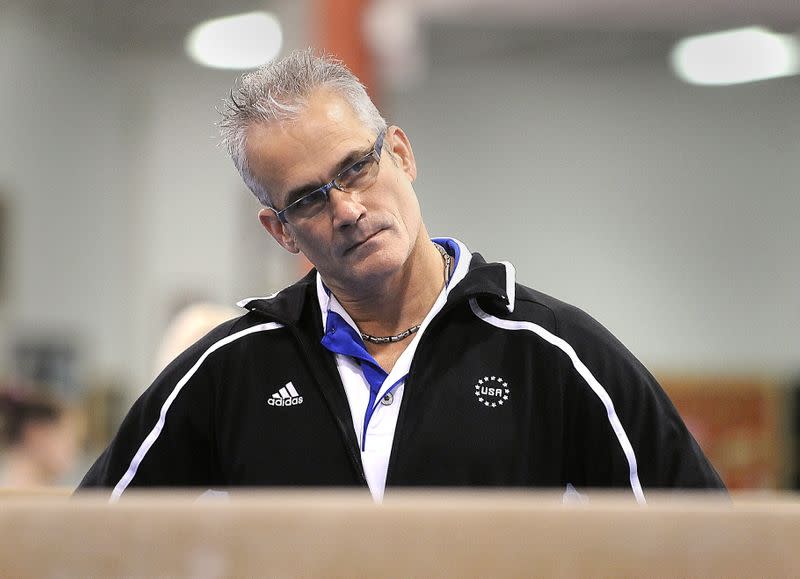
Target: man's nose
[[345, 207]]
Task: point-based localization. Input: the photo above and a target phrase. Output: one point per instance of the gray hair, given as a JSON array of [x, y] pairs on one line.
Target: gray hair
[[279, 91]]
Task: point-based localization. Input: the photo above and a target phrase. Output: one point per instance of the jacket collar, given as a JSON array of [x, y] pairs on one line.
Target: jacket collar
[[481, 279], [493, 280], [285, 306]]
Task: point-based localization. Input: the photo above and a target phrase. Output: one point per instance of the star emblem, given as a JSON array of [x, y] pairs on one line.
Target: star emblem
[[492, 391]]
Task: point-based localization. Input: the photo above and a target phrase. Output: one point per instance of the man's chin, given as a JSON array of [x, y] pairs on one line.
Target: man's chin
[[367, 271]]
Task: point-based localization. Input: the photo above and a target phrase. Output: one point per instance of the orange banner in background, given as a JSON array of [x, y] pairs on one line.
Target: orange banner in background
[[738, 424]]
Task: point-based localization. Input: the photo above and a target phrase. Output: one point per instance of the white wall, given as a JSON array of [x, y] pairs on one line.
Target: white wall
[[670, 213], [64, 177], [120, 200]]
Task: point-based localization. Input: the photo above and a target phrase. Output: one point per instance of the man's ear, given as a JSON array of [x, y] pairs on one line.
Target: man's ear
[[400, 148], [277, 229]]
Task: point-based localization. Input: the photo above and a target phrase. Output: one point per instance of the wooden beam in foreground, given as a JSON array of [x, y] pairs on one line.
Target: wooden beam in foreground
[[446, 534]]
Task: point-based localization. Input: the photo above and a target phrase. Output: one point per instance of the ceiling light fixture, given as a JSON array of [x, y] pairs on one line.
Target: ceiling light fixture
[[236, 42], [735, 56]]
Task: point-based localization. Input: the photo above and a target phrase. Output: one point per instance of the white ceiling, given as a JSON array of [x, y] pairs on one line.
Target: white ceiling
[[161, 24], [673, 15], [148, 25]]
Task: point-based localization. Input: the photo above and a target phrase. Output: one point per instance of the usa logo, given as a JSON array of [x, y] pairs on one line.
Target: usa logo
[[492, 391]]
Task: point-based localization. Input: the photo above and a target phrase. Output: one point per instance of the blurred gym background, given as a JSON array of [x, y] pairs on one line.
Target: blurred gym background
[[638, 159]]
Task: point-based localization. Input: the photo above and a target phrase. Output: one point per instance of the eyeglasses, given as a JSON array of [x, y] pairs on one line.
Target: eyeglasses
[[357, 177]]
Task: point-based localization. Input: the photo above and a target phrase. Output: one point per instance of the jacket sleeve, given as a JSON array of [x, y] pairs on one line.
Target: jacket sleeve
[[626, 430], [167, 437]]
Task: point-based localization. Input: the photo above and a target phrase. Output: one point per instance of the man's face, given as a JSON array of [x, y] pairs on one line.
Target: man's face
[[360, 237]]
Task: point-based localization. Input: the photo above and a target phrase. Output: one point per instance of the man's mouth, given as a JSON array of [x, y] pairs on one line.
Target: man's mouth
[[359, 243]]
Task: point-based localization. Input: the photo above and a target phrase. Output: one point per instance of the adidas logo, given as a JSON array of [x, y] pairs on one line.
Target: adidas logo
[[286, 396]]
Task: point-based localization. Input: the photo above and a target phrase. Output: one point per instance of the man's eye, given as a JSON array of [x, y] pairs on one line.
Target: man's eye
[[358, 168], [302, 202], [308, 201]]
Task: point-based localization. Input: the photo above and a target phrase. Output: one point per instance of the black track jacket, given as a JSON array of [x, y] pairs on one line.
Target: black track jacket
[[508, 387]]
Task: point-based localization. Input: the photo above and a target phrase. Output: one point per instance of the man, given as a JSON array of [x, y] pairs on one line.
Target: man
[[399, 360]]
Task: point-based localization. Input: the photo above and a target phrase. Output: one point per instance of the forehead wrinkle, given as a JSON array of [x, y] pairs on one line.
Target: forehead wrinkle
[[313, 145], [326, 161]]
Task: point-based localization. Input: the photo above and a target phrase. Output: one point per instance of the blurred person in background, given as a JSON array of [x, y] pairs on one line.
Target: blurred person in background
[[189, 325], [41, 440], [399, 360]]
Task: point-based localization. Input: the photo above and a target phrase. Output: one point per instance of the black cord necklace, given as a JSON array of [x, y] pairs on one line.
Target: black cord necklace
[[413, 329]]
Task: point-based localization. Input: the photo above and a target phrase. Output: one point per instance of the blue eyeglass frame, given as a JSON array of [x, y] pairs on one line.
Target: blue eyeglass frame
[[326, 189]]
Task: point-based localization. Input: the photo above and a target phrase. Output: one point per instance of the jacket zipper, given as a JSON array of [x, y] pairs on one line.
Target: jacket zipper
[[401, 418], [350, 443]]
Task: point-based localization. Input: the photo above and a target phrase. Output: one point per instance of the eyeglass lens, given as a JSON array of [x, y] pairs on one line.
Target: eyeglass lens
[[359, 176]]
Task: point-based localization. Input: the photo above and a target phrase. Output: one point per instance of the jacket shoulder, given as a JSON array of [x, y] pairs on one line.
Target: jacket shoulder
[[591, 342], [228, 331], [610, 383], [561, 318]]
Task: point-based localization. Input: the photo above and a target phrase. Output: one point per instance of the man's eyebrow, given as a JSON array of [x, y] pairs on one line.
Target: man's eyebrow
[[351, 158]]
